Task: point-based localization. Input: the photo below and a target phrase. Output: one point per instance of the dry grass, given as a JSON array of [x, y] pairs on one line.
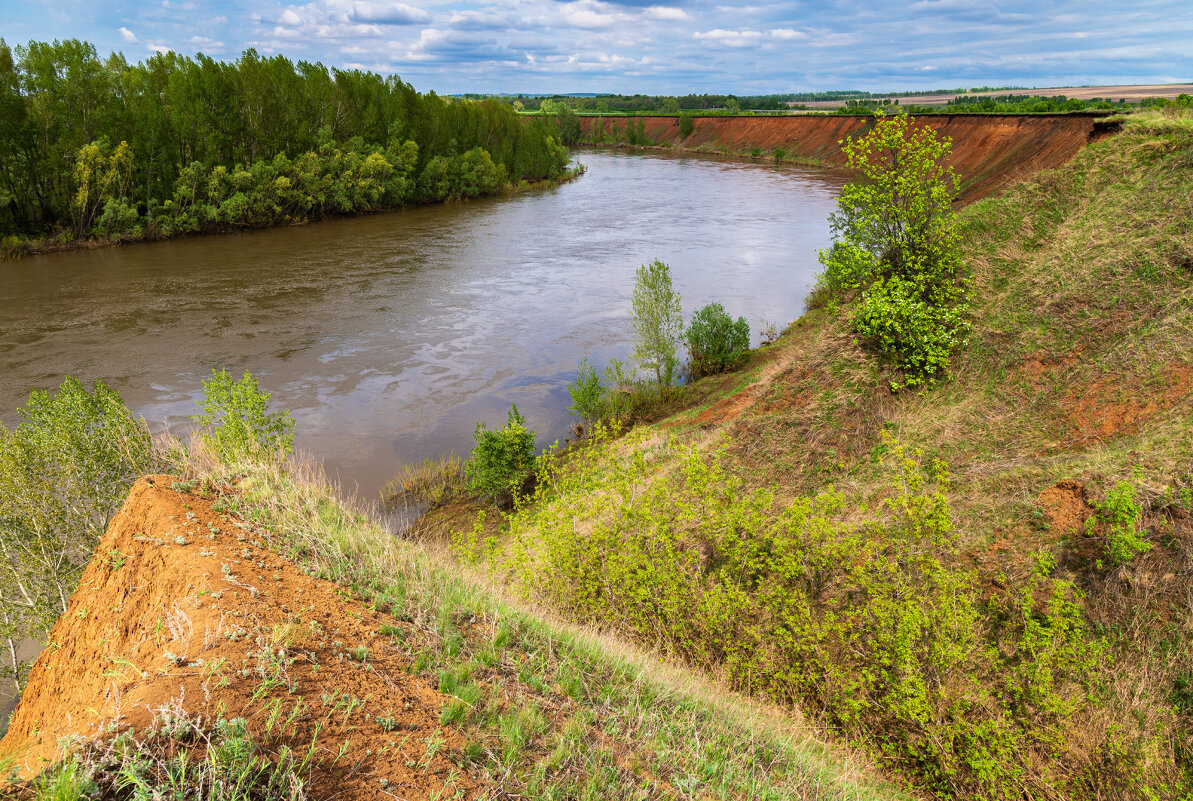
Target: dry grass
[[653, 729], [1079, 368]]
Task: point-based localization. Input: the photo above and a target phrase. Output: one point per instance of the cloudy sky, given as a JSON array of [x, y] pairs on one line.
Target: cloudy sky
[[656, 46]]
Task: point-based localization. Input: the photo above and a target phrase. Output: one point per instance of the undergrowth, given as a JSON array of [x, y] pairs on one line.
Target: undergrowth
[[549, 711]]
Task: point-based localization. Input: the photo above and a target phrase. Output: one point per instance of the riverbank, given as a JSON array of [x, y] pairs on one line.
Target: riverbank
[[13, 247], [984, 585], [989, 151], [1046, 653]]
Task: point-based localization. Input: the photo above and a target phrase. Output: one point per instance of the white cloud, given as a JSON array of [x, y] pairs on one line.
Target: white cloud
[[788, 34], [157, 48], [588, 19], [207, 44], [388, 14], [290, 18], [667, 13], [127, 35], [720, 36]]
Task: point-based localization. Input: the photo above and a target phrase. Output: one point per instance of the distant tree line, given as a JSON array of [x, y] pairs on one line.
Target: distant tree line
[[175, 144], [1004, 104], [673, 104]]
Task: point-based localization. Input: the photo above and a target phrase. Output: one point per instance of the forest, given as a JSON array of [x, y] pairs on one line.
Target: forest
[[93, 147]]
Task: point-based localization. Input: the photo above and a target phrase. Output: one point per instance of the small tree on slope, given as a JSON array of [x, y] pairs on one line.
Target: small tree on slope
[[896, 247]]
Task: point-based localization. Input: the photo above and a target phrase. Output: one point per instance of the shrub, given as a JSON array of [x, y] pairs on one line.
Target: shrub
[[502, 458], [716, 342], [240, 426], [916, 335], [880, 626], [896, 243], [685, 125], [64, 471], [1121, 514], [587, 393], [657, 321]]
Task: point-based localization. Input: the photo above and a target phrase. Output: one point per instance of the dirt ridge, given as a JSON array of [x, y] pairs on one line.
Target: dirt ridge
[[990, 151], [183, 608]]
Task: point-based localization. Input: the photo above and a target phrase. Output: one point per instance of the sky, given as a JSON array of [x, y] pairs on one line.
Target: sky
[[655, 46]]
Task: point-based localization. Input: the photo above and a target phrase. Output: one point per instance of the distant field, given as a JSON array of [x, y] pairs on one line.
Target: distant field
[[1128, 93]]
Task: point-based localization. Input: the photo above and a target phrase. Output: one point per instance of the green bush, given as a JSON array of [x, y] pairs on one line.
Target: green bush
[[881, 627], [64, 471], [239, 424], [588, 394], [918, 336], [896, 252], [716, 342], [1121, 514], [502, 458], [685, 125]]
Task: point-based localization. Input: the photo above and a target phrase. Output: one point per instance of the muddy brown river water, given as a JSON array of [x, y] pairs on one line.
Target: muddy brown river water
[[390, 336]]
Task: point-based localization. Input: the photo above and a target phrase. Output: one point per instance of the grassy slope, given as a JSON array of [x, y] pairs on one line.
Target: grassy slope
[[551, 710], [1078, 375]]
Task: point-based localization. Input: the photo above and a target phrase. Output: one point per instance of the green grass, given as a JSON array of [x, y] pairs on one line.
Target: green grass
[[1079, 368], [552, 710]]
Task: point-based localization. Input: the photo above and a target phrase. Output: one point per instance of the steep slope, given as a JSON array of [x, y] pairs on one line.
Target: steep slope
[[990, 151], [183, 610], [1016, 626], [386, 674]]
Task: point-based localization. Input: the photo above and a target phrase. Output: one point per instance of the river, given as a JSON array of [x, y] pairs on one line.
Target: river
[[390, 336]]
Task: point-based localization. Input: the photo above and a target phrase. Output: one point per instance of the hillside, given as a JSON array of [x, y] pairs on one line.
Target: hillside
[[985, 582], [357, 664], [990, 151], [980, 589]]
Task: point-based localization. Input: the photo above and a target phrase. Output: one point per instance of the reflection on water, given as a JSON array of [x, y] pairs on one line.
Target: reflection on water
[[390, 336]]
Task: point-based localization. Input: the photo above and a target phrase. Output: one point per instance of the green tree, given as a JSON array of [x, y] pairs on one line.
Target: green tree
[[657, 321], [238, 421], [896, 248], [65, 469]]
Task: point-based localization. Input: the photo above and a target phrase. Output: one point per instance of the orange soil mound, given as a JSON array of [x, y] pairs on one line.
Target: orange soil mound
[[989, 152], [181, 607], [1066, 506], [1110, 407]]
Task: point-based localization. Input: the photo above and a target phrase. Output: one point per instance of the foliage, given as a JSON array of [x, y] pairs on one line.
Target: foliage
[[657, 321], [64, 471], [240, 426], [502, 458], [1121, 514], [716, 342], [587, 394], [879, 626], [895, 241], [686, 126], [918, 335], [175, 144], [175, 759], [535, 699]]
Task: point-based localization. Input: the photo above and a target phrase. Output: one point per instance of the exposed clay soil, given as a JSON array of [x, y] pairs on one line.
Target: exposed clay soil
[[990, 151], [1110, 407], [182, 607], [1066, 506], [1130, 93]]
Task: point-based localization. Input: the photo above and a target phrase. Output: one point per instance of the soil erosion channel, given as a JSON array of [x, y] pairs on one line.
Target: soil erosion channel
[[391, 336]]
